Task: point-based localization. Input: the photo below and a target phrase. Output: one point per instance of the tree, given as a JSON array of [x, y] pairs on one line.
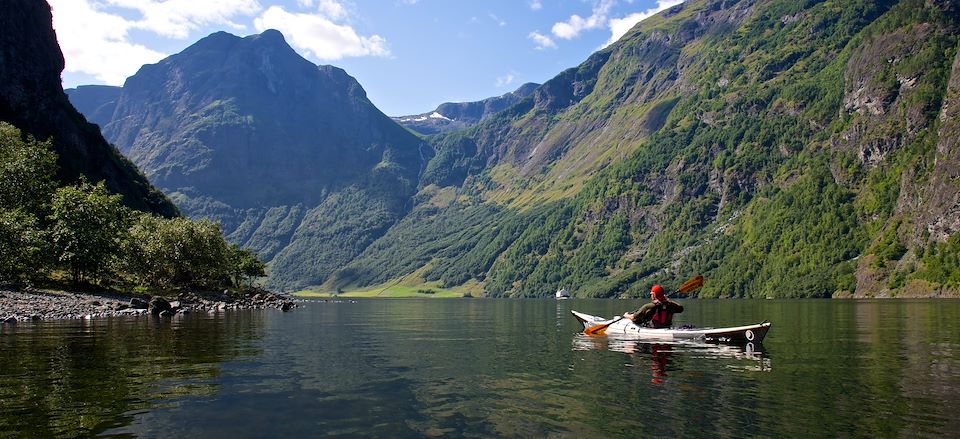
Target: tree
[[178, 253], [246, 265], [22, 246], [88, 225], [27, 169]]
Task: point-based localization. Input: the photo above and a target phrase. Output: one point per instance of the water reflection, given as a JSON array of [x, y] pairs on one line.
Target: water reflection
[[77, 378], [486, 368], [751, 357]]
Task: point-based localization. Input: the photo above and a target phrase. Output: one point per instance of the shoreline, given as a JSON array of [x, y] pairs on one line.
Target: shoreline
[[41, 305]]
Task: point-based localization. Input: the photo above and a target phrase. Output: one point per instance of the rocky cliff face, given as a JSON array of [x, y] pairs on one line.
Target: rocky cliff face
[[453, 116], [32, 99], [245, 131]]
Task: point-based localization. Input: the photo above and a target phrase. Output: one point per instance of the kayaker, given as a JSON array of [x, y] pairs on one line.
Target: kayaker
[[658, 313]]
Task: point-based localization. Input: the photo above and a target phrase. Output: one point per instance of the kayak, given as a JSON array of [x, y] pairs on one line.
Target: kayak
[[626, 328]]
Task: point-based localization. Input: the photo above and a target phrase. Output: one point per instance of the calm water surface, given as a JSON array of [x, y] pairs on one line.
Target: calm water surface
[[486, 368]]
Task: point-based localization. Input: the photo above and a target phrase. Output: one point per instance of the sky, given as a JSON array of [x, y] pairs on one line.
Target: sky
[[409, 55]]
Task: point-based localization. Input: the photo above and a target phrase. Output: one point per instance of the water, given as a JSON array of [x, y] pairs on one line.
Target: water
[[486, 368]]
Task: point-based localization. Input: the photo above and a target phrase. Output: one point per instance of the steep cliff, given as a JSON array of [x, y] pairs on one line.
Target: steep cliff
[[32, 99]]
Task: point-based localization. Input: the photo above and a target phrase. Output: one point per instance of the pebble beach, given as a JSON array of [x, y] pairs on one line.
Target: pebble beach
[[39, 305]]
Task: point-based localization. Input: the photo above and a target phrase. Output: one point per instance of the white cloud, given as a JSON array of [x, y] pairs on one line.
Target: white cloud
[[542, 41], [620, 26], [500, 22], [536, 5], [576, 24], [504, 80], [333, 9], [97, 43], [329, 8], [177, 18], [319, 36]]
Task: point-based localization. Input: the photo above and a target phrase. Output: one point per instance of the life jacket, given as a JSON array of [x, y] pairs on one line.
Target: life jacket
[[662, 317]]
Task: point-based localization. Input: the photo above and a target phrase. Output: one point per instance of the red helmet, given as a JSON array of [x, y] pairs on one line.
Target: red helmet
[[657, 289]]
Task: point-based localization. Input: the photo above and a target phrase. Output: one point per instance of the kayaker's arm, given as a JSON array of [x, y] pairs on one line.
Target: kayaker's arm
[[642, 315], [675, 307]]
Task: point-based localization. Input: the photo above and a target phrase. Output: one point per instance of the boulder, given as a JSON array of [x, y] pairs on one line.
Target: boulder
[[159, 305], [287, 306], [138, 303]]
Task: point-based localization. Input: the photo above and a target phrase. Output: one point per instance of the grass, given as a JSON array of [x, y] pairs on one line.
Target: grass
[[388, 292], [410, 286]]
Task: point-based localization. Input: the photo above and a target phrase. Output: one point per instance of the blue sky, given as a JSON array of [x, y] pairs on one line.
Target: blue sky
[[409, 55]]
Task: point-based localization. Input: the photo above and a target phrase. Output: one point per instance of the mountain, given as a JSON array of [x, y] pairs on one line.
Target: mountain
[[291, 158], [32, 99], [780, 148], [96, 102], [453, 116]]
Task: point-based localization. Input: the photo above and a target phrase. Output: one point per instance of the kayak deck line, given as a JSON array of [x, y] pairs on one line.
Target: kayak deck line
[[626, 328]]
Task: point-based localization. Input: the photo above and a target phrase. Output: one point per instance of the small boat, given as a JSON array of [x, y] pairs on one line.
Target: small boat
[[624, 328], [562, 294]]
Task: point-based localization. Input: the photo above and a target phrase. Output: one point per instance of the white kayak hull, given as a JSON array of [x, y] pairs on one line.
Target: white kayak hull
[[626, 328]]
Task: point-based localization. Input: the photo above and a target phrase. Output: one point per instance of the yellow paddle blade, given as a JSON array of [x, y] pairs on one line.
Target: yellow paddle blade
[[691, 285]]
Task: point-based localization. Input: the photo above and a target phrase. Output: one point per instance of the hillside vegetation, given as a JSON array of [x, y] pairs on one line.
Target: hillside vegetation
[[81, 230], [781, 148]]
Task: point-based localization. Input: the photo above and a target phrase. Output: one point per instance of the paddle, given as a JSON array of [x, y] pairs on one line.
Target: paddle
[[688, 286]]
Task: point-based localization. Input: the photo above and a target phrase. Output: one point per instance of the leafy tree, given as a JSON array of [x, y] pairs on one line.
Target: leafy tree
[[246, 265], [88, 225], [27, 169], [177, 253], [23, 246]]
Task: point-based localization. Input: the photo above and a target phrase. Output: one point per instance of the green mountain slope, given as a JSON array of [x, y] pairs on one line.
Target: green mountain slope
[[782, 148]]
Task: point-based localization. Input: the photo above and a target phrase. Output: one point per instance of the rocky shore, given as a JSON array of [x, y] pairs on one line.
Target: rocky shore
[[34, 305]]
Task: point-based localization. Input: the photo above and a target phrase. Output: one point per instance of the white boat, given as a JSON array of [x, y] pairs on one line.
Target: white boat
[[621, 327], [562, 294]]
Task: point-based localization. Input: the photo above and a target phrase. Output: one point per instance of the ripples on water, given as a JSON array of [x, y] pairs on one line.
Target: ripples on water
[[486, 368]]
